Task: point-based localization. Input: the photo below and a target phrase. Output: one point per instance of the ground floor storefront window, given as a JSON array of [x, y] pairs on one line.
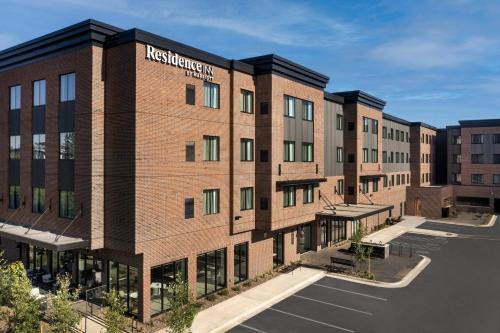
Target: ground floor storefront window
[[210, 272], [90, 271], [278, 250], [39, 262], [240, 262], [304, 238], [338, 231], [124, 279], [161, 277]]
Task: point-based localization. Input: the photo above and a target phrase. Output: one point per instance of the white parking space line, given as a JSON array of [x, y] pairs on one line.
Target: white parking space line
[[350, 292], [312, 320], [252, 328], [334, 305]]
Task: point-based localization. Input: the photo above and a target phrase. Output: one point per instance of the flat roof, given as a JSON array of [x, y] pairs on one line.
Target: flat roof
[[422, 124], [480, 123], [348, 212], [361, 97], [395, 119], [45, 239]]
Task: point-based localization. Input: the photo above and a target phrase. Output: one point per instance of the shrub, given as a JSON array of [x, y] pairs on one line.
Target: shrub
[[223, 292], [62, 316], [183, 308], [114, 313]]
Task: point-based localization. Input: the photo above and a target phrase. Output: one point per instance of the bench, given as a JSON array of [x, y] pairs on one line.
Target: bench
[[342, 261]]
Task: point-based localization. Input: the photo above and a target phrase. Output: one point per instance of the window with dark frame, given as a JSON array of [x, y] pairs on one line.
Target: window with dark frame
[[365, 124], [246, 101], [340, 122], [308, 196], [190, 151], [14, 196], [307, 152], [210, 201], [264, 108], [39, 93], [246, 198], [288, 196], [307, 111], [374, 126], [67, 146], [289, 107], [38, 200], [340, 154], [67, 204], [190, 94], [264, 155], [240, 262], [477, 138], [15, 97], [289, 151], [210, 272], [188, 208], [67, 87], [211, 95], [210, 148], [38, 147], [246, 150]]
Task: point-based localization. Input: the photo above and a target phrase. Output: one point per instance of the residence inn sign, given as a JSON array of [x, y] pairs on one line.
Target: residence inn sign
[[193, 68]]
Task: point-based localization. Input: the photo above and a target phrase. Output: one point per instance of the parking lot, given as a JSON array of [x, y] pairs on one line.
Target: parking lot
[[458, 292]]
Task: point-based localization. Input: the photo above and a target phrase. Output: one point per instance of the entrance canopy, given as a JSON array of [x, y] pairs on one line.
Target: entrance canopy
[[345, 212], [45, 239]]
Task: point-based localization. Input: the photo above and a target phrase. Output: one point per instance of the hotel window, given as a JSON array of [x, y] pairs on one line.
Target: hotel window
[[289, 153], [340, 154], [385, 181], [38, 199], [407, 158], [496, 138], [211, 95], [365, 155], [496, 179], [477, 158], [278, 249], [426, 158], [307, 111], [374, 155], [457, 140], [246, 150], [15, 147], [392, 134], [408, 178], [15, 97], [264, 203], [340, 122], [392, 157], [190, 94], [384, 132], [210, 272], [190, 151], [365, 124], [67, 87], [340, 187], [477, 178], [397, 135], [246, 101], [457, 158], [427, 138], [477, 138], [289, 107], [288, 196], [403, 179], [407, 137], [210, 148], [397, 157], [456, 177], [398, 179], [67, 146], [67, 204], [374, 126], [14, 196], [402, 157], [392, 180], [264, 155], [384, 157], [308, 193], [122, 278], [307, 152], [496, 158], [240, 262], [161, 277], [264, 106], [364, 186], [39, 93], [246, 198], [375, 185], [210, 202], [189, 208], [38, 146]]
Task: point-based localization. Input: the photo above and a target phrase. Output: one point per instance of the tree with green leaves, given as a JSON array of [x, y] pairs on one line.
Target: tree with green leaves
[[114, 312], [361, 252], [182, 309], [60, 312], [22, 309]]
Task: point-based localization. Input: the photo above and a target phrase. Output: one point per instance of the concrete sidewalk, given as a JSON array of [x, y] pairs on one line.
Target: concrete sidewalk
[[226, 315]]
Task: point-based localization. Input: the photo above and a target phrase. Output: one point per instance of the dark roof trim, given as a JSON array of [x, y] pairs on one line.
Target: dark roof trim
[[141, 36], [380, 175], [88, 32], [298, 182], [480, 123], [395, 119], [274, 64], [453, 127], [334, 98], [357, 217], [418, 123], [358, 96]]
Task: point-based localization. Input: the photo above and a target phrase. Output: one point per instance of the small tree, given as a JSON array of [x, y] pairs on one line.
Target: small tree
[[361, 252], [114, 313], [62, 316], [183, 308], [23, 310]]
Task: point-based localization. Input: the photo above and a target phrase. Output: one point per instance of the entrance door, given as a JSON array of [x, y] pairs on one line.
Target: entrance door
[[497, 205], [418, 207], [278, 250], [445, 212]]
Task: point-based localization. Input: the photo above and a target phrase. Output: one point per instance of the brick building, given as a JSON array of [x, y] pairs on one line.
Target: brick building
[[129, 159]]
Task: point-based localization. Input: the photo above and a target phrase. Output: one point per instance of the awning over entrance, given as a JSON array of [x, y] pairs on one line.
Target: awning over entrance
[[354, 212], [45, 239]]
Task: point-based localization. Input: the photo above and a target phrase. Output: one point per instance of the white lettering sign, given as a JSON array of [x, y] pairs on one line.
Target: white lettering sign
[[192, 67]]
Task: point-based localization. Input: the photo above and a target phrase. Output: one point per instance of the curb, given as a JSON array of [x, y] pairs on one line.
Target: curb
[[267, 304], [405, 281], [492, 222]]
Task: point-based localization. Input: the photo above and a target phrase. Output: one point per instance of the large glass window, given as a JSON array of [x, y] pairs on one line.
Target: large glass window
[[374, 126], [14, 196], [278, 250], [67, 146], [246, 101], [15, 147], [39, 93], [365, 124], [246, 150], [67, 204], [289, 151], [338, 231], [90, 271], [210, 148], [15, 97], [340, 154], [161, 277], [307, 152], [38, 146], [384, 132], [125, 280], [240, 262], [496, 138], [364, 186], [304, 238], [38, 201], [374, 155], [477, 138], [289, 107], [496, 179], [375, 185], [340, 187], [308, 193], [340, 122], [211, 272], [211, 95], [496, 158], [288, 196], [246, 198], [307, 111], [67, 87], [477, 158], [365, 155], [384, 157], [210, 202], [477, 179]]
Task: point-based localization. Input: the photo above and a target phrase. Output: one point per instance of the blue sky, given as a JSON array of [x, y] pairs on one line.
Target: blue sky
[[432, 61]]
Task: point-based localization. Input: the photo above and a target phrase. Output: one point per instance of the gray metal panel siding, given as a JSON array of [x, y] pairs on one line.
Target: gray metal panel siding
[[67, 117], [298, 130], [452, 150], [333, 138], [14, 172], [15, 122], [38, 120], [394, 146], [38, 173]]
